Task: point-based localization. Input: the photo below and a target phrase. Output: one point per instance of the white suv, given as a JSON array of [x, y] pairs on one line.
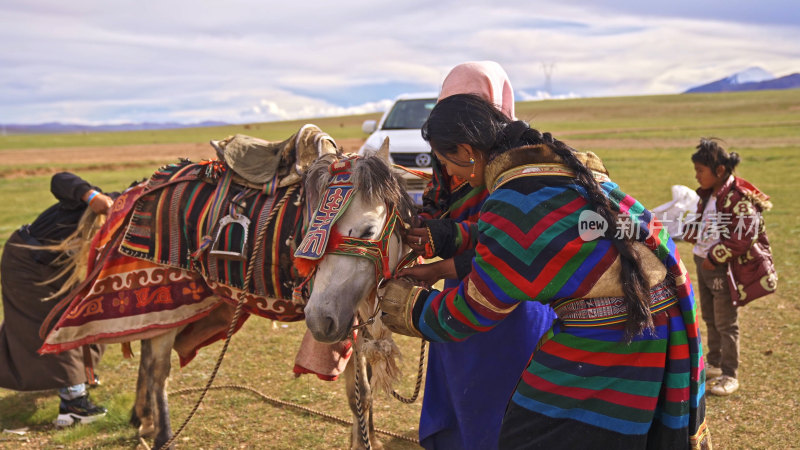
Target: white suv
[[402, 124]]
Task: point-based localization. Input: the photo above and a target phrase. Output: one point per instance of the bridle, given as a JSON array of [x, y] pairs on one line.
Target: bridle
[[334, 201]]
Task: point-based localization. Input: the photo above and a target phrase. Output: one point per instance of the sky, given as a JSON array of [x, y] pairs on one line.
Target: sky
[[242, 61]]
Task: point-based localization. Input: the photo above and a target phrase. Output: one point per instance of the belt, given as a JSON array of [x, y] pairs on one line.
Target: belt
[[24, 233], [601, 311]]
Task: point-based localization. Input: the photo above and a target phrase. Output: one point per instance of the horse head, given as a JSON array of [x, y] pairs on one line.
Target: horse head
[[354, 237]]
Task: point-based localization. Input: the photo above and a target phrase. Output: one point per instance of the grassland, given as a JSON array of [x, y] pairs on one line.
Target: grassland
[[646, 143]]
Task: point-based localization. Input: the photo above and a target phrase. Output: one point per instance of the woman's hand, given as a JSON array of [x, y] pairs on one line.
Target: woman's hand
[[101, 203], [419, 241], [429, 274]]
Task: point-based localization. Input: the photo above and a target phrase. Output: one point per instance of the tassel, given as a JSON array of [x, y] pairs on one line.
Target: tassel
[[127, 351], [383, 355]]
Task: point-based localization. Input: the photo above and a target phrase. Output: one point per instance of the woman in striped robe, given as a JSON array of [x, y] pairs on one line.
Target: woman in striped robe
[[621, 367], [467, 383]]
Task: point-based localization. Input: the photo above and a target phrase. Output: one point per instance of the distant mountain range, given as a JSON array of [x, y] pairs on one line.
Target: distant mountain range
[[58, 127], [752, 79]]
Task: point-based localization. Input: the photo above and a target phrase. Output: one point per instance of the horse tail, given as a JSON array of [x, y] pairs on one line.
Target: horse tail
[[74, 253]]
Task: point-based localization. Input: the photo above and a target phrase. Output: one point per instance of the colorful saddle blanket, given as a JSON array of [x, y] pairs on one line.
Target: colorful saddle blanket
[[144, 278], [180, 222]]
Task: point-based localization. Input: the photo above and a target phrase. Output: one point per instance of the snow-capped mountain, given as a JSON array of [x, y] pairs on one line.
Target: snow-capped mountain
[[751, 79], [750, 75]]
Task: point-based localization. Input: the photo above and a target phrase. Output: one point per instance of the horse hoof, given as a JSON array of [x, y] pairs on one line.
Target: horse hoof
[[147, 432]]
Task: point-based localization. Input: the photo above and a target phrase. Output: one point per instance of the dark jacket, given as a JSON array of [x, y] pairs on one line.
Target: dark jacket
[[743, 244], [28, 277]]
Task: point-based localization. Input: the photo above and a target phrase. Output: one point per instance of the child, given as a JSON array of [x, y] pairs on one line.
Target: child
[[732, 253]]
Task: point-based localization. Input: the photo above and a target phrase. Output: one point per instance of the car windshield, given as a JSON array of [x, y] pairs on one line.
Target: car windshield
[[409, 114]]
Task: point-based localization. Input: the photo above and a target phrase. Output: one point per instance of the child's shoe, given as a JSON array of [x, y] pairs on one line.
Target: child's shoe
[[724, 385], [80, 410], [712, 372]]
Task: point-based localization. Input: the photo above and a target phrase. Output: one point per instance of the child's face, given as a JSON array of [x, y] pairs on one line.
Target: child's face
[[705, 176]]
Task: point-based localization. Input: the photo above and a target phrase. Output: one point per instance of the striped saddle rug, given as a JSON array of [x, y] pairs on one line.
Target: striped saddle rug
[[194, 218], [146, 273]]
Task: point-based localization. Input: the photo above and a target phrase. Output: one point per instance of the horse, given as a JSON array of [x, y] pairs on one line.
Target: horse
[[354, 241], [168, 270]]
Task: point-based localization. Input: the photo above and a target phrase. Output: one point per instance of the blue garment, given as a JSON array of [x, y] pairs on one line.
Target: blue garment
[[469, 383]]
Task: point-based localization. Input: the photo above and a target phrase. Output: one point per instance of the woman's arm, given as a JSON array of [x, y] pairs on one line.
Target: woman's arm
[[70, 189], [478, 303]]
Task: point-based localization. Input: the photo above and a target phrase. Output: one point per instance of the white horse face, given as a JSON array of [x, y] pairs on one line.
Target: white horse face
[[343, 282]]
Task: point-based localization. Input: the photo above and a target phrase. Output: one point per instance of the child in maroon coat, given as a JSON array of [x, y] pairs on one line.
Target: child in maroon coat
[[733, 257]]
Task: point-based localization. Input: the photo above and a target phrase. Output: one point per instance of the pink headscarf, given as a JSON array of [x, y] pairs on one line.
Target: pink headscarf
[[484, 78]]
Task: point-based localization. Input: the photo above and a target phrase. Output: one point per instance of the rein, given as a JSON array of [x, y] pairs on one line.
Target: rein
[[334, 201], [409, 259]]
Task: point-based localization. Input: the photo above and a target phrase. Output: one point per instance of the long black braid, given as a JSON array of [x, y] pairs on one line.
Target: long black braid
[[467, 118], [634, 284]]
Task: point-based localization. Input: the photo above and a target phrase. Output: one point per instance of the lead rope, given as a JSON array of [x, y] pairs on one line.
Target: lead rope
[[360, 409], [283, 403], [413, 398], [237, 313], [405, 261]]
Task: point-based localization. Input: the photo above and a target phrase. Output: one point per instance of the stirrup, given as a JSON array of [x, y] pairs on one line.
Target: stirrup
[[240, 255]]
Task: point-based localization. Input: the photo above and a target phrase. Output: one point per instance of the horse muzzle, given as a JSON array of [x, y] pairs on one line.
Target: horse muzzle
[[327, 327]]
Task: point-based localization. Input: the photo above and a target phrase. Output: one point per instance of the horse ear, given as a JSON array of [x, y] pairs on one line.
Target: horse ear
[[383, 152]]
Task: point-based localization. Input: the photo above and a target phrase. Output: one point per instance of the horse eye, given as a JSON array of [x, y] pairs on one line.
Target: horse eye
[[368, 233]]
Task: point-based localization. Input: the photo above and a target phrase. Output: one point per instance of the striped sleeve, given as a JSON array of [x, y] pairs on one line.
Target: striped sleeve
[[528, 249]]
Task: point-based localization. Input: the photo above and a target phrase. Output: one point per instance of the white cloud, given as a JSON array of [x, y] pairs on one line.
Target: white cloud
[[242, 61]]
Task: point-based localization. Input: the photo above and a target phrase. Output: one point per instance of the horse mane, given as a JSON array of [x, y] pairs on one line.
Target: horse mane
[[73, 253], [317, 177], [372, 177]]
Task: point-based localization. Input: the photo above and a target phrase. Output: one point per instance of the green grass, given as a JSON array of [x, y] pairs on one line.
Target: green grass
[[341, 127], [646, 143]]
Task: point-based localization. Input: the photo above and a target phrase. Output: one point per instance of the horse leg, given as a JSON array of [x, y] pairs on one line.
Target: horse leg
[[161, 347], [150, 410], [142, 412], [365, 393]]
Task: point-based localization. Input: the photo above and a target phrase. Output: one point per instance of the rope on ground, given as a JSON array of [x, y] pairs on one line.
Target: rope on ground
[[283, 403]]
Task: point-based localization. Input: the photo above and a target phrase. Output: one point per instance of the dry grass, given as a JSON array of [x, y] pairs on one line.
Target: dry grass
[[646, 143], [260, 357]]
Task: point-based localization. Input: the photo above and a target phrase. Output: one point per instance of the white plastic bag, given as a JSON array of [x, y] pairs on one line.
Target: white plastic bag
[[673, 214]]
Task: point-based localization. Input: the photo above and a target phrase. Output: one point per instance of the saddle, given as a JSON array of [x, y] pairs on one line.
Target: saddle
[[256, 161], [204, 216]]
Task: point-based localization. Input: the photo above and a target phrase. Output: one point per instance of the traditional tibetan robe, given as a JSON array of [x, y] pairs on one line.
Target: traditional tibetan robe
[[584, 385], [468, 383]]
